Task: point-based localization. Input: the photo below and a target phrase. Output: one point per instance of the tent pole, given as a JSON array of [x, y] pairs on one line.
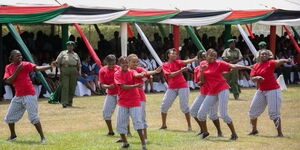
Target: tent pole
[[194, 37], [26, 53], [123, 28], [176, 38], [88, 45], [227, 34], [64, 35], [1, 63], [273, 39]]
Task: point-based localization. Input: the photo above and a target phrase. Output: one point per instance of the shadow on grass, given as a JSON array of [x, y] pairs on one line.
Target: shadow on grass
[[28, 142], [273, 137], [76, 107], [175, 130]]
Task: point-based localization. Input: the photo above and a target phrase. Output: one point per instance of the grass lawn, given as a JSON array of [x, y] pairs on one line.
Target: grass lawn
[[82, 127]]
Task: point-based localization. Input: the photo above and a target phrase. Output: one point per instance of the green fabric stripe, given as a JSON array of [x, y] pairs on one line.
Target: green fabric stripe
[[145, 19], [26, 53], [245, 20], [194, 37], [31, 18], [296, 33]]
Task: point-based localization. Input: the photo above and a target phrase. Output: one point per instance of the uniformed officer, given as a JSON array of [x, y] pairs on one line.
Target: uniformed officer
[[263, 46], [233, 55], [70, 66]]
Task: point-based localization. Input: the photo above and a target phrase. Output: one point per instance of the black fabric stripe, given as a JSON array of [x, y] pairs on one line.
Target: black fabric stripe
[[88, 11], [198, 14], [283, 15]]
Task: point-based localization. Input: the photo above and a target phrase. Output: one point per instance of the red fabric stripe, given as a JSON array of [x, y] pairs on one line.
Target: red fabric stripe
[[236, 14], [135, 12], [129, 31], [28, 10]]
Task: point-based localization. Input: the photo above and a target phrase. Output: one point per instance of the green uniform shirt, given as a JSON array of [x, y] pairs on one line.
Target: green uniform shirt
[[66, 58], [232, 54]]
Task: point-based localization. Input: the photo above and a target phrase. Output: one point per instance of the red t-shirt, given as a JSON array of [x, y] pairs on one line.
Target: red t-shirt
[[204, 89], [106, 76], [177, 81], [22, 83], [130, 97], [266, 70], [140, 80], [213, 76]]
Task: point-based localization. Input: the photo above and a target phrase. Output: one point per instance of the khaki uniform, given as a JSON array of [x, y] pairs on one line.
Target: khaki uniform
[[69, 63], [232, 77]]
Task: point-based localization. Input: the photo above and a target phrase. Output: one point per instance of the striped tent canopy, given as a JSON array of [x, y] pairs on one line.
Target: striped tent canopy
[[29, 14], [246, 16], [87, 16], [147, 16], [283, 17], [197, 18], [177, 12]]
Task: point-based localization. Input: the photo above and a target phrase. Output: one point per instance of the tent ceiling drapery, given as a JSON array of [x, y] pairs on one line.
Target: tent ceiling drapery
[[178, 12]]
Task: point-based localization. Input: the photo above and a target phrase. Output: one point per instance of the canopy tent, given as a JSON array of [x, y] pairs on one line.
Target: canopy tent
[[282, 17], [167, 4], [176, 12]]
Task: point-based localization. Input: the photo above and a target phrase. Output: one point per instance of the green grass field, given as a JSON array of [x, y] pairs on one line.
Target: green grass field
[[82, 127]]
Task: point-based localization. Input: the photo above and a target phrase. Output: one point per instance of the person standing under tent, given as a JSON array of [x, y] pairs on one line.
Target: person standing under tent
[[268, 92], [17, 74], [128, 101], [263, 46], [213, 114], [233, 55], [106, 80], [177, 86], [133, 62], [70, 69], [212, 71]]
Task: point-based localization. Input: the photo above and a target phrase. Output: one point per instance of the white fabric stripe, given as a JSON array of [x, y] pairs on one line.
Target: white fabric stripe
[[19, 105], [248, 42], [109, 106], [86, 19], [124, 39], [149, 46], [196, 21], [288, 22]]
